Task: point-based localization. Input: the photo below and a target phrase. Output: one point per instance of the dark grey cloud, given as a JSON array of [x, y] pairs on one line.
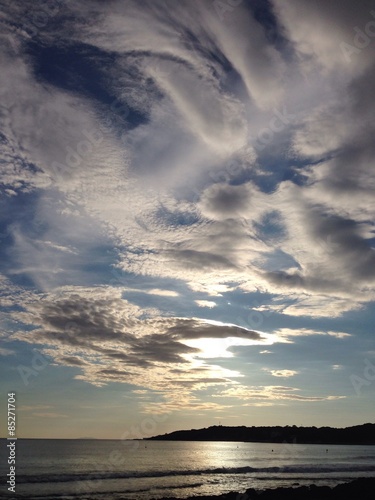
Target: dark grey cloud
[[161, 348], [337, 12], [71, 361], [122, 353], [198, 369], [304, 282], [199, 260], [80, 320], [117, 374], [198, 381], [105, 337], [224, 201], [355, 252], [195, 329], [342, 124], [95, 325]]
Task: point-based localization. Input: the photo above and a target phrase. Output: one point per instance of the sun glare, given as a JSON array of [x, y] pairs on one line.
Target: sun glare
[[217, 348]]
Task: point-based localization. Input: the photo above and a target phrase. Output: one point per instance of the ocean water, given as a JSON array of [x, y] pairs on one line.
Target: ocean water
[[143, 470]]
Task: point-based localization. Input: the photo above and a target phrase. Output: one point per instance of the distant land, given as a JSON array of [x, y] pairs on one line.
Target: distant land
[[359, 434]]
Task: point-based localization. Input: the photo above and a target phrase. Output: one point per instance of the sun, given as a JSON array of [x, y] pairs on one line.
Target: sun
[[217, 348]]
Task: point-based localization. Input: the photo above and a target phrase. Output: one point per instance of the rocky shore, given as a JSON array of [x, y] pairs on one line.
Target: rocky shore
[[361, 489]]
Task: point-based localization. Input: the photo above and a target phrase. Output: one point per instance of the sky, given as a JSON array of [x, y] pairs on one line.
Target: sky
[[186, 214]]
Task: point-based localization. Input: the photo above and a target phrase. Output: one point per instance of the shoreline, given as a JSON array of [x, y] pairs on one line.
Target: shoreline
[[361, 488]]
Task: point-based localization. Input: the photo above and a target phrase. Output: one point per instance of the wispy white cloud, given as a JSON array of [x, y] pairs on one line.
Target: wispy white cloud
[[337, 367], [281, 373], [206, 303], [287, 333], [272, 393], [163, 293], [49, 415], [6, 352]]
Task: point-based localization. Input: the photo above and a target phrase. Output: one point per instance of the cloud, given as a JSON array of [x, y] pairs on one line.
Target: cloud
[[281, 373], [109, 339], [309, 26], [194, 328], [33, 407], [222, 201], [162, 293], [271, 392], [256, 60], [199, 260], [286, 333], [46, 125], [68, 360], [213, 122], [49, 415], [212, 117], [6, 352], [314, 305], [154, 149], [206, 303]]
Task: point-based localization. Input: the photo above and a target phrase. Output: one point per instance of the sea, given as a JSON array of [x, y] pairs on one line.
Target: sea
[[49, 469]]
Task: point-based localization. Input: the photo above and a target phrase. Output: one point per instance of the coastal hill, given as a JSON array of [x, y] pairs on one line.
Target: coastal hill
[[359, 434]]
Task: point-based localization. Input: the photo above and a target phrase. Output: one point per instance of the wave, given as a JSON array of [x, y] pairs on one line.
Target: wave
[[103, 475], [99, 495]]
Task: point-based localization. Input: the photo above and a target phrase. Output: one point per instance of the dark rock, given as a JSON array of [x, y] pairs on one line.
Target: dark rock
[[359, 489], [362, 488]]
